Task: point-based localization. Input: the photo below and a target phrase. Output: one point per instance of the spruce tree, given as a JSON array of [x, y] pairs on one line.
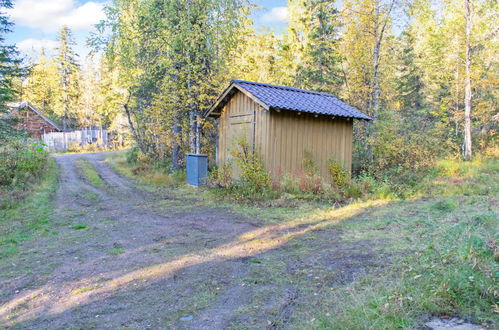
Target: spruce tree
[[66, 60], [9, 69], [319, 67]]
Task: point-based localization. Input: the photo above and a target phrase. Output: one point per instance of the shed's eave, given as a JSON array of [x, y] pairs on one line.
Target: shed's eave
[[287, 98]]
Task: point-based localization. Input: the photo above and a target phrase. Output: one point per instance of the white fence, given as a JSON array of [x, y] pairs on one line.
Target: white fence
[[61, 141]]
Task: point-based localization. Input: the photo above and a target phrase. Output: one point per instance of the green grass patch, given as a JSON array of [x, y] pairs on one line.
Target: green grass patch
[[85, 289], [88, 172], [115, 251], [31, 216], [448, 266], [79, 226], [444, 205], [146, 172]]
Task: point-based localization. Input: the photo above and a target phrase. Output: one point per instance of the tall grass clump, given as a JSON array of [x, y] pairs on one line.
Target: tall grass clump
[[148, 170]]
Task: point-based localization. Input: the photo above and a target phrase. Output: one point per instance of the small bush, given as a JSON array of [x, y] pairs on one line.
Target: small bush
[[221, 177], [88, 147], [132, 155], [22, 162], [255, 180], [339, 176]]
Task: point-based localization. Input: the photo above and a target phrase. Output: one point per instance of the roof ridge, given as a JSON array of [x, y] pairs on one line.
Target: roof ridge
[[284, 87]]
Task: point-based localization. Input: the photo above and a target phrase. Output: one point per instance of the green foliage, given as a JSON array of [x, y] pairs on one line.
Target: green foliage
[[23, 219], [221, 176], [339, 176], [320, 68], [10, 70], [67, 103], [21, 163], [132, 155], [309, 164], [254, 179]]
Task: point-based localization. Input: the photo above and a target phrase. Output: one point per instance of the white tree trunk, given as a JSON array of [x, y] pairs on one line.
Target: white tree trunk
[[192, 131], [198, 134], [467, 86]]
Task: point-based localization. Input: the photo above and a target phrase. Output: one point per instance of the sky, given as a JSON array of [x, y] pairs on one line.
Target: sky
[[37, 21]]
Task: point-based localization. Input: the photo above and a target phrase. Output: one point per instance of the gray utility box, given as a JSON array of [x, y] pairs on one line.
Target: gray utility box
[[197, 169]]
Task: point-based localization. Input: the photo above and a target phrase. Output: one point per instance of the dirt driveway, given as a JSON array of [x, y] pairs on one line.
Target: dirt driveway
[[122, 257]]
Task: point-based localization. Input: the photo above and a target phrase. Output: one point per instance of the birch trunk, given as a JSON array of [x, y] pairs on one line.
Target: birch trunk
[[192, 131], [377, 46], [198, 134], [175, 145], [467, 86]]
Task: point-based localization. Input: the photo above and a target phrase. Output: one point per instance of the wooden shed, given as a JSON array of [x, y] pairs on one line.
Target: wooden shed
[[282, 124], [31, 119]]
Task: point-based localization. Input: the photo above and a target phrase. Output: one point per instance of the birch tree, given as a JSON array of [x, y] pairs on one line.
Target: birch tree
[[467, 84]]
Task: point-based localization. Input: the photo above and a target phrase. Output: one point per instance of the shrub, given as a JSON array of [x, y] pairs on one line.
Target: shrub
[[21, 163], [308, 163], [221, 177], [255, 180], [339, 176], [132, 155]]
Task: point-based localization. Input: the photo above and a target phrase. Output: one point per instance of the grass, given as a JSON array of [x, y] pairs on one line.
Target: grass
[[88, 172], [148, 174], [447, 266], [441, 248], [79, 226], [115, 251], [84, 289], [31, 216]]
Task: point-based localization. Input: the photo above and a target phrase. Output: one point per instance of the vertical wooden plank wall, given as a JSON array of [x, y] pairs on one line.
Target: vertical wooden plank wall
[[292, 134], [281, 138]]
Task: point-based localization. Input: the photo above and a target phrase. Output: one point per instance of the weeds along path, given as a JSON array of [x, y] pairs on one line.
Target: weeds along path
[[121, 257]]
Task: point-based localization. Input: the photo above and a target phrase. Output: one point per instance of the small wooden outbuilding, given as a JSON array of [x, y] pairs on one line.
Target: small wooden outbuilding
[[282, 124], [31, 119]]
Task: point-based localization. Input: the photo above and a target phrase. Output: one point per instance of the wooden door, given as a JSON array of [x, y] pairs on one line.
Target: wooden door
[[241, 128]]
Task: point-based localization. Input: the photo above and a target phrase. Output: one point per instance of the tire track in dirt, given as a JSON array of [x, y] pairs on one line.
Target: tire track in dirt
[[83, 264]]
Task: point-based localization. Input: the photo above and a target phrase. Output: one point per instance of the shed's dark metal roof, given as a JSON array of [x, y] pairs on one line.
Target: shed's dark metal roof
[[294, 99]]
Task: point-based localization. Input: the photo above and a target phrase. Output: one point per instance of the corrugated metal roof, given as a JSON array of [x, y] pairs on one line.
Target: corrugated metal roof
[[294, 99]]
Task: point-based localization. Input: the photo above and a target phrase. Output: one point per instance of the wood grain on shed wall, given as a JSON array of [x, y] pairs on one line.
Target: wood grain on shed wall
[[281, 138], [291, 134]]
